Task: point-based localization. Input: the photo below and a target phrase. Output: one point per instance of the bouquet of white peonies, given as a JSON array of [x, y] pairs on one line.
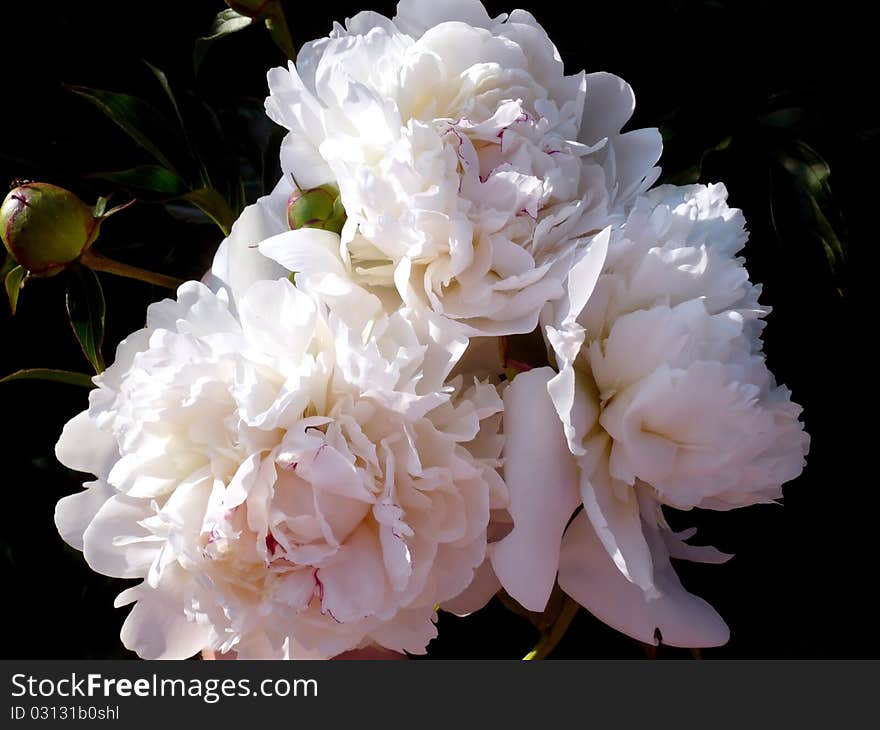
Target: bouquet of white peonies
[[332, 436]]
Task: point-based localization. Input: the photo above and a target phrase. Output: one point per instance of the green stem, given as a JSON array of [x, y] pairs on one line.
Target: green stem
[[277, 25], [97, 262], [553, 635]]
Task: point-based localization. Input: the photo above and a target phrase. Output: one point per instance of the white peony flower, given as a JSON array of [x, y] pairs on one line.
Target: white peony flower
[[662, 398], [285, 480], [471, 168]]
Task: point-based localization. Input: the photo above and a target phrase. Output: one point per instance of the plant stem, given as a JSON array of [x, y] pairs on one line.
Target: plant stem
[[277, 26], [97, 262], [553, 635]]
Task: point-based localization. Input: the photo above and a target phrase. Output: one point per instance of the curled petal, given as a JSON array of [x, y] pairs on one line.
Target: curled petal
[[587, 574]]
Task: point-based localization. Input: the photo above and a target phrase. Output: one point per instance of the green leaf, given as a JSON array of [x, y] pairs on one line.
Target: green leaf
[[147, 179], [54, 376], [225, 23], [214, 206], [13, 280], [276, 23], [9, 263], [86, 309], [138, 119], [692, 174], [802, 207], [166, 87]]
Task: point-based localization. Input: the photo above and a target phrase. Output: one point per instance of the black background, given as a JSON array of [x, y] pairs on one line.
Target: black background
[[802, 583]]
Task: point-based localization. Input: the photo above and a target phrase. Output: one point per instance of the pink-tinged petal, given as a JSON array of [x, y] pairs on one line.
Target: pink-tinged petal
[[678, 548], [158, 628], [84, 447], [74, 512], [409, 631], [371, 653], [587, 574], [296, 589], [542, 477], [480, 591], [115, 544], [353, 586]]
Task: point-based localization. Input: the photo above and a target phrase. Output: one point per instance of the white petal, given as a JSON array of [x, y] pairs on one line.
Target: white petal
[[306, 250], [115, 544], [240, 262], [84, 447], [74, 512], [609, 105], [635, 154], [414, 17], [158, 628], [614, 514], [588, 575], [542, 477]]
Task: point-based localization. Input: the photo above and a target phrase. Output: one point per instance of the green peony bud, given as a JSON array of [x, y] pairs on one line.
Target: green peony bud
[[316, 208], [45, 227]]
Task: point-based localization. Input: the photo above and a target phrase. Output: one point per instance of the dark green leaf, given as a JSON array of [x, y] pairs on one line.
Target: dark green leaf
[[166, 87], [802, 207], [225, 23], [276, 23], [55, 376], [147, 179], [13, 281], [693, 174], [9, 263], [138, 119], [809, 168], [214, 205], [86, 309]]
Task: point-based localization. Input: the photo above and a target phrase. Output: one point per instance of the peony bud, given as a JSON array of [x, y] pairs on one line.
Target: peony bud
[[250, 8], [45, 227], [316, 208]]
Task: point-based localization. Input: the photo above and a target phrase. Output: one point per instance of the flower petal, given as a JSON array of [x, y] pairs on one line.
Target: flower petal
[[484, 585], [158, 628], [587, 574], [240, 262], [542, 477], [74, 512], [115, 544], [414, 17], [84, 447]]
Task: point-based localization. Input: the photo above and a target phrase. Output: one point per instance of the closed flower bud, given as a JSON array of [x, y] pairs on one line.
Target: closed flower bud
[[250, 8], [319, 207], [46, 227]]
